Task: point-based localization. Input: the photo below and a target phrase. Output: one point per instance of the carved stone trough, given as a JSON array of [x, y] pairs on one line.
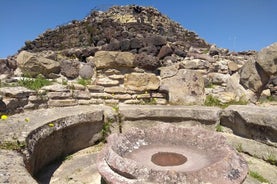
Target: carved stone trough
[[170, 154]]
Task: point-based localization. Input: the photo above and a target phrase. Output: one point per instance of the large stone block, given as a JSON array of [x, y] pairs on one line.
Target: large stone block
[[112, 59], [253, 77], [267, 58], [258, 123], [32, 64], [186, 87], [141, 81]]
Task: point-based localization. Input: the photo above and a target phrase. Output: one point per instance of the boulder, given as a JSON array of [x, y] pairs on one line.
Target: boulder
[[146, 62], [113, 59], [253, 77], [32, 64], [141, 81], [4, 69], [70, 68], [136, 43], [253, 122], [186, 87], [233, 85], [267, 59], [86, 71], [165, 51], [155, 40]]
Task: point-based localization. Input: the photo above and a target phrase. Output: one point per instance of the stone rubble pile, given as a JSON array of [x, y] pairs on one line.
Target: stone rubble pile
[[133, 55]]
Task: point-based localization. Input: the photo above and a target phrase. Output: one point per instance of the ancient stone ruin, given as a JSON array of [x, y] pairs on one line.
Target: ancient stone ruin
[[167, 154], [131, 72]]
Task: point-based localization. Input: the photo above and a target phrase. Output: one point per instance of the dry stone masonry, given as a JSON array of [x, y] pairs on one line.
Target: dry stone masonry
[[133, 67]]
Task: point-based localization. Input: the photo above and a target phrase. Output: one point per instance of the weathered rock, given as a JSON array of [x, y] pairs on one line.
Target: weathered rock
[[113, 45], [165, 51], [213, 50], [186, 87], [107, 82], [205, 115], [70, 68], [253, 77], [267, 59], [56, 88], [112, 59], [3, 106], [86, 71], [32, 65], [194, 64], [16, 92], [141, 81], [12, 168], [62, 102], [136, 43], [233, 85], [155, 40], [125, 45], [218, 78], [4, 69], [258, 123], [133, 153], [146, 62], [233, 67]]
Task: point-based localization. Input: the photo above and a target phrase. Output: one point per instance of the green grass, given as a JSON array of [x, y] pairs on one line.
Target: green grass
[[34, 83], [272, 159], [258, 177], [16, 145], [213, 101], [239, 147], [84, 82], [218, 128]]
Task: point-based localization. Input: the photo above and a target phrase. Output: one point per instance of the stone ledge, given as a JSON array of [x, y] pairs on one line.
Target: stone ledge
[[206, 115]]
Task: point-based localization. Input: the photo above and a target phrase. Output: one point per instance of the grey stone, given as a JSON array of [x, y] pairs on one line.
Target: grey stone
[[253, 77], [205, 115], [165, 51], [70, 68], [267, 59], [56, 88], [33, 65], [141, 81], [233, 85], [62, 102], [132, 156], [86, 71], [186, 87], [112, 59], [258, 123], [16, 92]]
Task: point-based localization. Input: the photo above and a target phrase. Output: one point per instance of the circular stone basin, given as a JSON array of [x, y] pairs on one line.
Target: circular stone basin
[[170, 154]]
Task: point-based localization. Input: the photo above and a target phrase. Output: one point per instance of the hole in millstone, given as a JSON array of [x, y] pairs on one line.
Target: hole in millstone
[[168, 159]]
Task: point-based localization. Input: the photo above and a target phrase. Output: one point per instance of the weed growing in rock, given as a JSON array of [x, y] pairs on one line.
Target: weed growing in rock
[[10, 145], [239, 147], [213, 101], [106, 130], [258, 176], [84, 82], [34, 83], [219, 128], [271, 159]]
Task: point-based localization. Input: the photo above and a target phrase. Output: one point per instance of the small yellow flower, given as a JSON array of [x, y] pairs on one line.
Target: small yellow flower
[[51, 124], [27, 120], [4, 117]]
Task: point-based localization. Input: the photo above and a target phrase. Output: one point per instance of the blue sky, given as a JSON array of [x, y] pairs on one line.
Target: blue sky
[[234, 24]]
